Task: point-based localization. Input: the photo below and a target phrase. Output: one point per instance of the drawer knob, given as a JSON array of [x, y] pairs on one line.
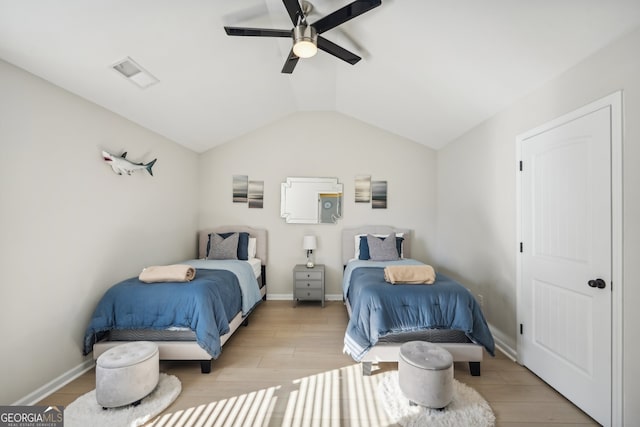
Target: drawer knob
[[308, 284]]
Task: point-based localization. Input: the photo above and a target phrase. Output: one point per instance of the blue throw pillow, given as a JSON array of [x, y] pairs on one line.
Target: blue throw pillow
[[364, 247]]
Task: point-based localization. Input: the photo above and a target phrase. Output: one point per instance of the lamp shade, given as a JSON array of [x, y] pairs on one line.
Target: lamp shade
[[309, 243], [305, 40]]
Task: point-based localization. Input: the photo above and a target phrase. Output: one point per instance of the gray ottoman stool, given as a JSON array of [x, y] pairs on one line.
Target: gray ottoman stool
[[425, 374], [127, 373]]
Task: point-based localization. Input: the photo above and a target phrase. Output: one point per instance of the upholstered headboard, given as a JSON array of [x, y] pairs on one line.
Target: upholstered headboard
[[259, 233], [349, 235]]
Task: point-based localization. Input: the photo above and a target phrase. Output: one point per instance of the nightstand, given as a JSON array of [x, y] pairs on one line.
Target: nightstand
[[308, 283]]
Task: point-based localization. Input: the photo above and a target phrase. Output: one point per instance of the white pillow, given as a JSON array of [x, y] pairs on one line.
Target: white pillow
[[251, 248]]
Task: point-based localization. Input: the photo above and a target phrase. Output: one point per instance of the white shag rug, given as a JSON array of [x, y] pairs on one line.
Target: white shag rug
[[467, 408], [85, 411]]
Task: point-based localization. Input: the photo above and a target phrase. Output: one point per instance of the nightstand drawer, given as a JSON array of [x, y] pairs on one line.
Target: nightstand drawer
[[308, 284], [314, 294], [311, 275]]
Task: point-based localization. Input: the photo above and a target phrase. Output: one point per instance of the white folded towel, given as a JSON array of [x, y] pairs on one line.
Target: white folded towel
[[167, 273], [410, 274]]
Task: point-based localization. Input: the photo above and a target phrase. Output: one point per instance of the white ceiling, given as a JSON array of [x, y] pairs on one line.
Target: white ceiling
[[431, 69]]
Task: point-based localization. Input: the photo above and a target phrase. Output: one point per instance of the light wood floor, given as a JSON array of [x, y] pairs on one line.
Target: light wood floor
[[287, 369]]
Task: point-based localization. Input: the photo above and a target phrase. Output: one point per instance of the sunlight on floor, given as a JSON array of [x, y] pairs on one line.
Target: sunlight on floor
[[327, 399], [246, 409]]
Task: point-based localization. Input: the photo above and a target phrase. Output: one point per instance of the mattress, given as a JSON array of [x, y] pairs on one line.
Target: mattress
[[256, 265]]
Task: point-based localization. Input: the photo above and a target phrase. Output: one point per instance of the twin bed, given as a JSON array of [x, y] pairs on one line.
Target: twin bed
[[383, 316], [194, 321], [187, 321]]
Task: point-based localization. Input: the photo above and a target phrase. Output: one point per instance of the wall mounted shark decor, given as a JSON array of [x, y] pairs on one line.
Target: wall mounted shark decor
[[121, 165]]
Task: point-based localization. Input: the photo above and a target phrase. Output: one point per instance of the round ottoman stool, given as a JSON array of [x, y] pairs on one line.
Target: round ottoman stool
[[425, 374], [126, 373]]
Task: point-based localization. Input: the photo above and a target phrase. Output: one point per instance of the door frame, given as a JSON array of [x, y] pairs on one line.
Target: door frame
[[615, 102]]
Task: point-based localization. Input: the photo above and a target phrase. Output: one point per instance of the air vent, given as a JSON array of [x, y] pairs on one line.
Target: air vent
[[133, 72]]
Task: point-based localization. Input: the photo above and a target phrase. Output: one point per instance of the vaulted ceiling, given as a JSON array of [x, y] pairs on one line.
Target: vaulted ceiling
[[431, 69]]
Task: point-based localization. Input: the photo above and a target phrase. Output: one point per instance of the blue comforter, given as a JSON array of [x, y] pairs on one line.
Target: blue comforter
[[205, 305], [243, 271], [379, 308]]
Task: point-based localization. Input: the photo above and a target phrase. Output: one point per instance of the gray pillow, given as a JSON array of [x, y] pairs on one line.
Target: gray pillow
[[382, 248], [223, 248]]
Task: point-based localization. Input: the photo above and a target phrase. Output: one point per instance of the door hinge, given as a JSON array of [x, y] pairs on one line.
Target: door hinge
[[521, 247], [521, 329], [520, 165]]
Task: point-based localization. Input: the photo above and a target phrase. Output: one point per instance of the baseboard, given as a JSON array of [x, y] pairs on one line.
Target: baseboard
[[279, 297], [289, 297], [504, 343], [54, 385]]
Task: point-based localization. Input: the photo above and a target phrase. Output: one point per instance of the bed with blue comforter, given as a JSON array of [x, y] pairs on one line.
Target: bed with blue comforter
[[384, 316], [379, 308], [187, 320], [204, 305]]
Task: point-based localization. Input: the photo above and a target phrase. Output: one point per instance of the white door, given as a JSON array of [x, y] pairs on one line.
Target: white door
[[565, 285]]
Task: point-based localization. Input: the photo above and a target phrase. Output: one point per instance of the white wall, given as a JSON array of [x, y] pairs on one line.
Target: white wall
[[71, 227], [66, 212], [477, 205], [322, 144]]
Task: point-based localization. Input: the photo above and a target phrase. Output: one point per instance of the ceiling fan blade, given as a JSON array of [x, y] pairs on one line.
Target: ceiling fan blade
[[344, 14], [290, 63], [337, 51], [294, 9], [257, 32]]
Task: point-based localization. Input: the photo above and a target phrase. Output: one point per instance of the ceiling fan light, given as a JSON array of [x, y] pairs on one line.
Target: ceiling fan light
[[305, 41]]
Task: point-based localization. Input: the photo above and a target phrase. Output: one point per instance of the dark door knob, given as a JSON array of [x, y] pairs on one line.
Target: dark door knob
[[597, 283]]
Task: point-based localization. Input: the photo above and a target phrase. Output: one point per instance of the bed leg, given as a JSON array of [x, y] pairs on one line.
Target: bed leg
[[245, 322], [474, 369], [366, 369], [205, 366]]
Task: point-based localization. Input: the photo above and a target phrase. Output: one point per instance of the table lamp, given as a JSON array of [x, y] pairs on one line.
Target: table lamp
[[309, 243]]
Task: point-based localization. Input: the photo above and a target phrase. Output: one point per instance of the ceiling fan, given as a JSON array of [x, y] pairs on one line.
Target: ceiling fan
[[306, 37]]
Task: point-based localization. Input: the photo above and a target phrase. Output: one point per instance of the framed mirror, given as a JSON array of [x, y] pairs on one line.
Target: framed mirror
[[310, 200]]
